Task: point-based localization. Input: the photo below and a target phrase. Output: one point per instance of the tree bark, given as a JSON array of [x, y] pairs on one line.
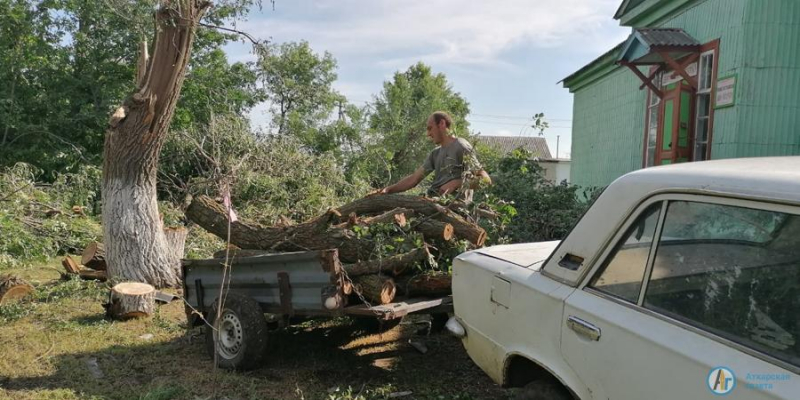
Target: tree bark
[[395, 216], [426, 284], [394, 265], [376, 289], [93, 256], [132, 300], [13, 288], [135, 244], [312, 235], [176, 247], [462, 228]]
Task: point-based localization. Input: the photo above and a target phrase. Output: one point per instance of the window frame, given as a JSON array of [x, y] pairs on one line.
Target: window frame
[[609, 250], [711, 46], [665, 199]]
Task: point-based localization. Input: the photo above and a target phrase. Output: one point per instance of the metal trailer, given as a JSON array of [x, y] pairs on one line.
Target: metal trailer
[[285, 285]]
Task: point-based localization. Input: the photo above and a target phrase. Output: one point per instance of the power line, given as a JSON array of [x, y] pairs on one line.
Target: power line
[[517, 124], [518, 117]]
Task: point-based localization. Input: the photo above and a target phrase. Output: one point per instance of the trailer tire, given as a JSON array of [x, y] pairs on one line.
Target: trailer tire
[[243, 333]]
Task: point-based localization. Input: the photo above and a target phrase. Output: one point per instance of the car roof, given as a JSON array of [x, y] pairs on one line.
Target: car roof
[[776, 178]]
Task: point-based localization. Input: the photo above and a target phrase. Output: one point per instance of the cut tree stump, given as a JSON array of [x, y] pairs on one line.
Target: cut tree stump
[[94, 256], [13, 288], [131, 300], [376, 289]]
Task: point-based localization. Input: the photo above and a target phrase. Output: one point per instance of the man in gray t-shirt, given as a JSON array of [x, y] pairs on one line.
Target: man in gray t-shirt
[[449, 161]]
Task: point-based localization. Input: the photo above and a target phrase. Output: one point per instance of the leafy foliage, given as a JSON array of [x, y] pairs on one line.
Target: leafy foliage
[[543, 210], [398, 143], [43, 220], [66, 64]]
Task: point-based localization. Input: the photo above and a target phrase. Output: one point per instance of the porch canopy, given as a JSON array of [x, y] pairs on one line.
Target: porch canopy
[[664, 47]]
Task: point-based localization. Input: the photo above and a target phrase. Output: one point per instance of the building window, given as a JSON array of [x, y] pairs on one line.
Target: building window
[[703, 111]]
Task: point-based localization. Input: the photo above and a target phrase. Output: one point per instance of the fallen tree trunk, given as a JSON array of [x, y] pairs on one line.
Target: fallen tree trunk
[[94, 257], [312, 235], [13, 288], [394, 265], [376, 289], [427, 284], [396, 216], [131, 300], [433, 229], [421, 206]]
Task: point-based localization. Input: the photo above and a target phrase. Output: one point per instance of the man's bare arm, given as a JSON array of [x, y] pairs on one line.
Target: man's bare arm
[[406, 183]]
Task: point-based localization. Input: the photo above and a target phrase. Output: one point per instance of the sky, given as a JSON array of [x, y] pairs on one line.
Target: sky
[[505, 57]]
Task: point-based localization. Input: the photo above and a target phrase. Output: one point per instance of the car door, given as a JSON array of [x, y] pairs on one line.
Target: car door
[[694, 298]]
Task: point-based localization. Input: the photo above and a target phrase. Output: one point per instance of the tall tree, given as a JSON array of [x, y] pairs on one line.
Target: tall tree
[[298, 83], [66, 64], [400, 114], [136, 248]]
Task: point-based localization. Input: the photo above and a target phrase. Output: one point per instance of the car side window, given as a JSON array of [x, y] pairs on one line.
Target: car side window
[[732, 271], [623, 272]]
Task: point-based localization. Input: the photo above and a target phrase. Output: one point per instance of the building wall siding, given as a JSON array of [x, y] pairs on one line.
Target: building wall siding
[[767, 101], [608, 116], [608, 129]]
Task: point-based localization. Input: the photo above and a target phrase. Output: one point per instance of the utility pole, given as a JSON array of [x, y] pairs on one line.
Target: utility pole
[[558, 138]]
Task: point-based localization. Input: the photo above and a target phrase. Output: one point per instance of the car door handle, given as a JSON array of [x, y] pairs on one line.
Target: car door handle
[[583, 328]]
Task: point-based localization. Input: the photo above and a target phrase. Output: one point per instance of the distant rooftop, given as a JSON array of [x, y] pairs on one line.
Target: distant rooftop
[[507, 144]]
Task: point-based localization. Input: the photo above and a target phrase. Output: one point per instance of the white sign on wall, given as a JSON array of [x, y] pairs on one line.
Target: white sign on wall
[[726, 91]]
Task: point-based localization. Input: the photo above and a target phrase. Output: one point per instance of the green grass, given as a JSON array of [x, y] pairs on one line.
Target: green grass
[[58, 345]]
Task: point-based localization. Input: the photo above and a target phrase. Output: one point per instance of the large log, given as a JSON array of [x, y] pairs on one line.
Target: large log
[[131, 300], [94, 256], [376, 289], [377, 204], [433, 283], [316, 234], [395, 216], [13, 288], [433, 229], [70, 265], [394, 265]]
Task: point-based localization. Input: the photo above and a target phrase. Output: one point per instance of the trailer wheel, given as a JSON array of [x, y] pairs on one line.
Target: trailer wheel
[[241, 336]]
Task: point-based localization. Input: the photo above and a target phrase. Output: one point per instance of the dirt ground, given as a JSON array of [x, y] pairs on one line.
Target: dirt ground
[[59, 346]]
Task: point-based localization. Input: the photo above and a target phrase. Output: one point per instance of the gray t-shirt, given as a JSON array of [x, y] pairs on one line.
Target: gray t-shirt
[[449, 162]]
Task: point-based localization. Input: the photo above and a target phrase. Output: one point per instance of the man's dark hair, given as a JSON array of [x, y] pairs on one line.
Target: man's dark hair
[[438, 116]]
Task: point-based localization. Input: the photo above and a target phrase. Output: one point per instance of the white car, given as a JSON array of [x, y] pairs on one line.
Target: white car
[[680, 282]]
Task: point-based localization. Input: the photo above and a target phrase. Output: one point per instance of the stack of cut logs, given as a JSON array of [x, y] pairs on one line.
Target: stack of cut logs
[[93, 263], [378, 279]]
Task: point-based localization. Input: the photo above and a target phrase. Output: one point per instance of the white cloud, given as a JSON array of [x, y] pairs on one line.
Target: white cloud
[[440, 31]]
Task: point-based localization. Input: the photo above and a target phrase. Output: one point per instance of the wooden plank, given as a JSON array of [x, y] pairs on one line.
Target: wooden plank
[[396, 309]]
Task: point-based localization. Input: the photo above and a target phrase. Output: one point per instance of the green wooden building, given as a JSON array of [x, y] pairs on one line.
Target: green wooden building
[[696, 80]]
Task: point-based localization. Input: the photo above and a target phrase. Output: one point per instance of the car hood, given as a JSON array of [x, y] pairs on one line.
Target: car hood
[[528, 255]]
